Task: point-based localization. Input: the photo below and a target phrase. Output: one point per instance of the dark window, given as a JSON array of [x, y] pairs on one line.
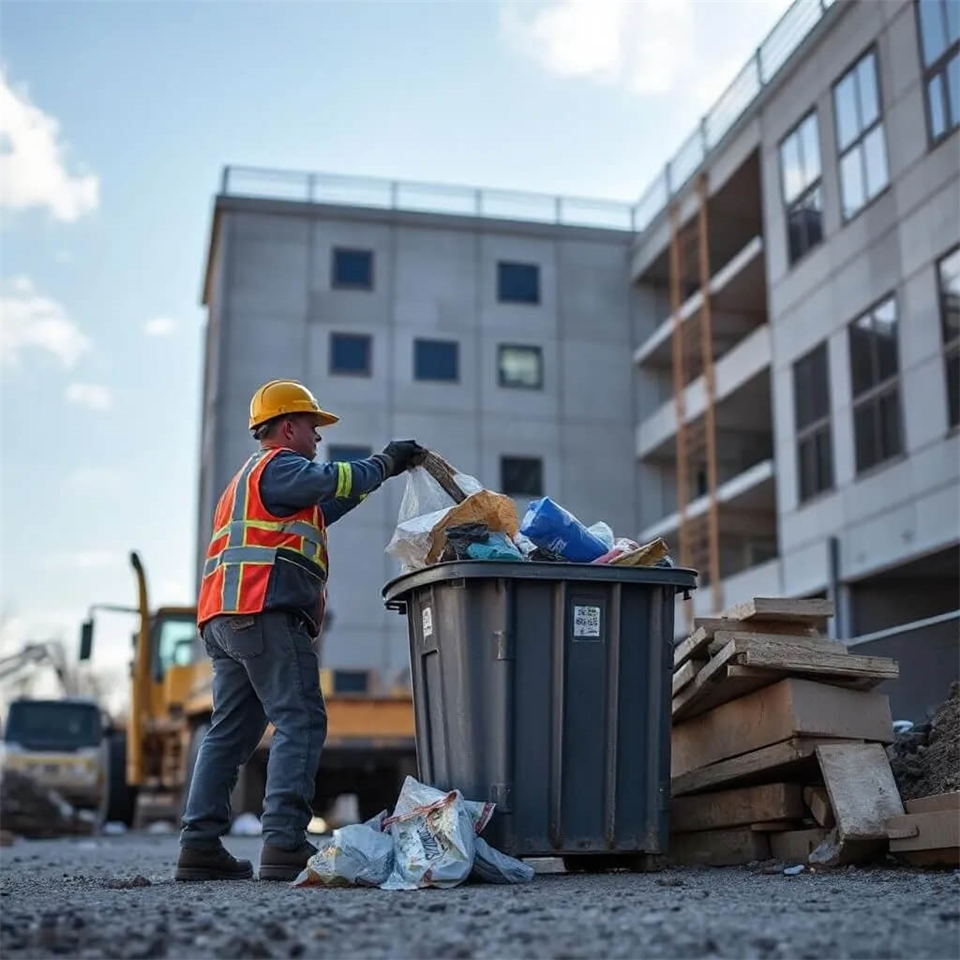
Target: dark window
[[861, 144], [800, 183], [948, 277], [436, 360], [874, 375], [350, 353], [520, 366], [811, 395], [939, 30], [521, 476], [352, 269], [345, 452], [518, 282], [53, 725]]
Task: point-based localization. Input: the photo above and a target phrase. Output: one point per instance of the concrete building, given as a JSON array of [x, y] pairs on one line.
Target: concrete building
[[795, 272], [497, 341]]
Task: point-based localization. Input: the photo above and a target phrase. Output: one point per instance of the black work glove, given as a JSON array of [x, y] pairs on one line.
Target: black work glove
[[403, 454]]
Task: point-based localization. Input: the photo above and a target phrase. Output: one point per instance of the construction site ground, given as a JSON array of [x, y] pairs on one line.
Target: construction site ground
[[116, 897]]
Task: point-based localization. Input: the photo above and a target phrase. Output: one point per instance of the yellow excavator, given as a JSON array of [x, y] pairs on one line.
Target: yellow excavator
[[370, 745]]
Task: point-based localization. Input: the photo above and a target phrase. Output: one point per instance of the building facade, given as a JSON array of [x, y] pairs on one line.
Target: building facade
[[831, 212], [500, 343], [760, 363]]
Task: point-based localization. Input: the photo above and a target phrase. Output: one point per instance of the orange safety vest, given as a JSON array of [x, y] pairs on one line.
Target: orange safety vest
[[246, 541]]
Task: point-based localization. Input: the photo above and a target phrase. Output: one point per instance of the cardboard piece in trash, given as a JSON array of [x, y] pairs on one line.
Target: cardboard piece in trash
[[493, 509]]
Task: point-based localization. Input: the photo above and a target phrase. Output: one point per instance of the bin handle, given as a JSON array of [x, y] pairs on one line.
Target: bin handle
[[399, 605]]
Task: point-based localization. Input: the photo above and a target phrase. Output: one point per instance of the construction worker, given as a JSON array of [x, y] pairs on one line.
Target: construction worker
[[259, 612]]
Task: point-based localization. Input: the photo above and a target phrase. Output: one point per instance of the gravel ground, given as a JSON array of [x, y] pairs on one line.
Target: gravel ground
[[115, 897]]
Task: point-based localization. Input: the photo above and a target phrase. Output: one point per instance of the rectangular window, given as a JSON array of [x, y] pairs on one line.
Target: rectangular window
[[518, 282], [521, 476], [811, 396], [948, 278], [352, 269], [861, 143], [875, 380], [347, 452], [350, 353], [800, 183], [938, 27], [436, 360], [520, 366]]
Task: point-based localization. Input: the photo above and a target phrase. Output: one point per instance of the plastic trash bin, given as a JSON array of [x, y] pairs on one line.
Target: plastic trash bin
[[546, 688]]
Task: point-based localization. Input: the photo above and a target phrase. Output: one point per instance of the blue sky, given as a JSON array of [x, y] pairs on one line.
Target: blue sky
[[115, 121]]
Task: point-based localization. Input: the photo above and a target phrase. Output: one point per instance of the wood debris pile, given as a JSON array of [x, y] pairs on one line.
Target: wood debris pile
[[778, 748], [29, 810]]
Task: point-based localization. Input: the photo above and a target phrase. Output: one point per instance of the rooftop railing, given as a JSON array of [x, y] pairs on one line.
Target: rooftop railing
[[790, 31]]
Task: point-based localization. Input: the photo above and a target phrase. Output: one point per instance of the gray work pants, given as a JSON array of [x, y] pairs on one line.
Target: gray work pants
[[265, 668]]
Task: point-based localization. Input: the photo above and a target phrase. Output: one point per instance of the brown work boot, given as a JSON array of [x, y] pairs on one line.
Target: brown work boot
[[213, 864], [279, 864]]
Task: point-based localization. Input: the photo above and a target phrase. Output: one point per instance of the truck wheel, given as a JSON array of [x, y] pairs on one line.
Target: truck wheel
[[122, 798]]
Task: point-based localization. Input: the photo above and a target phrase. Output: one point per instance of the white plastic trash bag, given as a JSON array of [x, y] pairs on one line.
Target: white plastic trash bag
[[425, 503], [492, 866], [359, 854], [414, 794], [434, 845]]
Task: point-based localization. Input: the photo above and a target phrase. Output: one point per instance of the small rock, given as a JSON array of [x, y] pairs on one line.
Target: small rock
[[670, 882], [438, 906], [128, 883], [794, 871]]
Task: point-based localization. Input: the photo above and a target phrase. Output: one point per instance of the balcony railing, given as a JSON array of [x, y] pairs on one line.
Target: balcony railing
[[768, 59]]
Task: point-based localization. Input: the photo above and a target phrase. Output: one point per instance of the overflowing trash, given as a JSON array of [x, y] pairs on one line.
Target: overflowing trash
[[446, 515], [432, 839]]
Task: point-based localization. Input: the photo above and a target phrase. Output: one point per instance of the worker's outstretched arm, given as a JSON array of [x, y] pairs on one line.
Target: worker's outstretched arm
[[291, 482]]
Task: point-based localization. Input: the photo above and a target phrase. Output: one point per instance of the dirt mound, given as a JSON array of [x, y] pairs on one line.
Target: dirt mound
[[29, 810], [926, 760]]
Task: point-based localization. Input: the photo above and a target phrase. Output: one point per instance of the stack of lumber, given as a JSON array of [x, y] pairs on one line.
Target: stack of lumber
[[928, 834], [777, 741]]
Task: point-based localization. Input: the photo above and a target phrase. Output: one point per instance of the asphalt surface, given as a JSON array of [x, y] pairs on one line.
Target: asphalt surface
[[115, 897]]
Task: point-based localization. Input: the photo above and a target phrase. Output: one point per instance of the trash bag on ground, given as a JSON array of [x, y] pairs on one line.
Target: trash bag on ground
[[414, 794], [434, 845], [492, 866], [553, 528], [360, 854]]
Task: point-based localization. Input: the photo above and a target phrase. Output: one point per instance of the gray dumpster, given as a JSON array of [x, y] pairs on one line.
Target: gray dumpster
[[545, 688]]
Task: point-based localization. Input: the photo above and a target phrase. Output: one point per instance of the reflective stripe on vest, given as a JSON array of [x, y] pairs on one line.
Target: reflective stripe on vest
[[243, 568]]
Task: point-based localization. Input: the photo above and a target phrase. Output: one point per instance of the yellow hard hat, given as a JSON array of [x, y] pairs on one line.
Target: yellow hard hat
[[281, 397]]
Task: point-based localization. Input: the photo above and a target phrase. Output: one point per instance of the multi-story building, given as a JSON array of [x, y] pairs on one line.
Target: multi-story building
[[788, 290], [499, 342], [809, 233]]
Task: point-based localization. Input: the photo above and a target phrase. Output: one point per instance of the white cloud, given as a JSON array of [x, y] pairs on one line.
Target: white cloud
[[648, 48], [93, 396], [32, 171], [31, 321], [159, 326]]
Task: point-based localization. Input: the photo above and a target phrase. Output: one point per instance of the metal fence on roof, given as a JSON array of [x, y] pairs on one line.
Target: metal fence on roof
[[790, 31]]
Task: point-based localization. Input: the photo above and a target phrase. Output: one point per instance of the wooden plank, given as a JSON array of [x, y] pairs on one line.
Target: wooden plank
[[780, 608], [734, 808], [727, 685], [818, 801], [805, 643], [862, 790], [775, 826], [691, 647], [935, 830], [686, 673], [794, 846], [946, 857], [719, 848], [767, 764], [710, 625], [834, 852], [938, 801], [789, 708], [815, 662], [444, 474]]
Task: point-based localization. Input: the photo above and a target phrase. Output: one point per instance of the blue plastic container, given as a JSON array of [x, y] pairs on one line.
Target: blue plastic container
[[551, 527]]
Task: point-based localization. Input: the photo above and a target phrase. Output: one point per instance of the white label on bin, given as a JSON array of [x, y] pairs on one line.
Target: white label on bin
[[427, 622], [586, 621]]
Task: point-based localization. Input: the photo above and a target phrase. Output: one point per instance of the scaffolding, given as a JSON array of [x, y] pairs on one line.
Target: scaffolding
[[692, 350]]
